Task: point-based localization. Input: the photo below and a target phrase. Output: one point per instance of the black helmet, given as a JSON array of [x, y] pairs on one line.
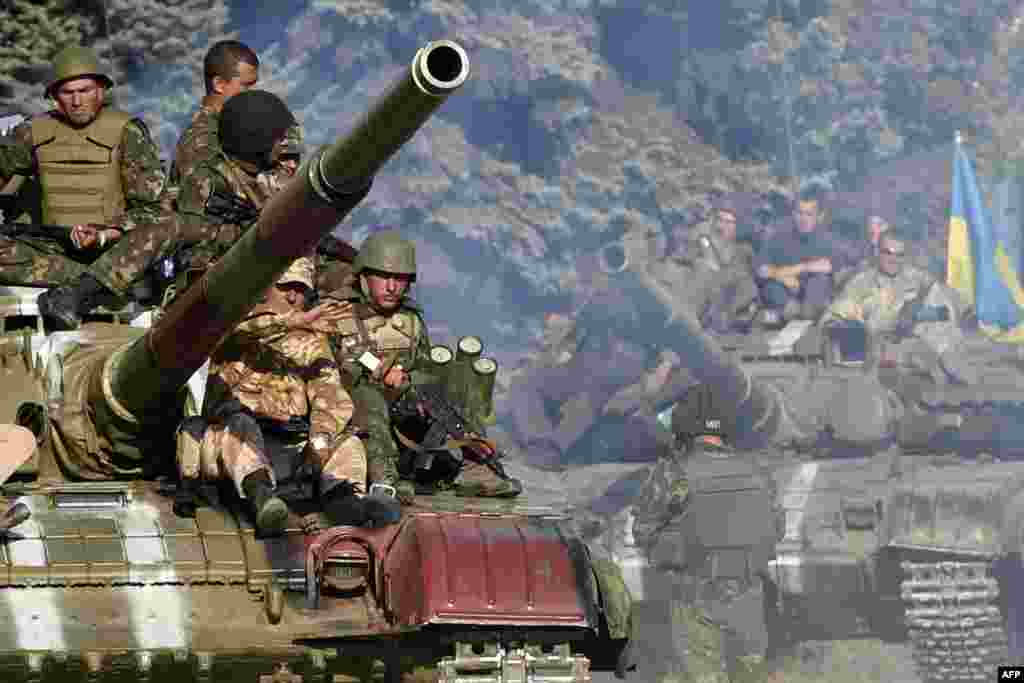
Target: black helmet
[[251, 122], [701, 412]]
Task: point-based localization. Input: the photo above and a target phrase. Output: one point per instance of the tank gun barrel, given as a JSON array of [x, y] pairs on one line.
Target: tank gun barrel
[[140, 378], [676, 327]]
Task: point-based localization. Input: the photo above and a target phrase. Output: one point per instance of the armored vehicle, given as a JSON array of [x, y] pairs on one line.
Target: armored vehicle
[[897, 500], [118, 576]]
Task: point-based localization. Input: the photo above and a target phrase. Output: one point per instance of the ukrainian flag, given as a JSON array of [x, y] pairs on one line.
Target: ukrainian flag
[[978, 263]]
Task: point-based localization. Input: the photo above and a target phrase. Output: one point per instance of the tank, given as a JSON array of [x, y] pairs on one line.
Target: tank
[[118, 576], [897, 501]]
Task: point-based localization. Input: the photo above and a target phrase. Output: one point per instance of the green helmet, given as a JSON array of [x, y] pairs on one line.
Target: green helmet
[[388, 252], [76, 62]]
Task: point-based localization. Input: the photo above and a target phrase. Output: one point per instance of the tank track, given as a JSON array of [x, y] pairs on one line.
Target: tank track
[[953, 619]]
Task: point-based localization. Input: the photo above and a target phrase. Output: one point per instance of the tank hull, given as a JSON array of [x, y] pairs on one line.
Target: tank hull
[[105, 580]]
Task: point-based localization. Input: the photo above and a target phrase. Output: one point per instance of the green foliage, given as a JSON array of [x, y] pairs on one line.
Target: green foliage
[[32, 30]]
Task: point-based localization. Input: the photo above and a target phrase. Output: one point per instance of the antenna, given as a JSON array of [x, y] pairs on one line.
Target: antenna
[[788, 104]]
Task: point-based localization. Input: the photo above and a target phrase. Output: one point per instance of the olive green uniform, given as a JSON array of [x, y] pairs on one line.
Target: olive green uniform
[[199, 142], [399, 338], [107, 173]]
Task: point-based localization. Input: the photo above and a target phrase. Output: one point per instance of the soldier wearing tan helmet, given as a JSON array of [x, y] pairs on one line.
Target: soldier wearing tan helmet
[[383, 348], [273, 401], [94, 165]]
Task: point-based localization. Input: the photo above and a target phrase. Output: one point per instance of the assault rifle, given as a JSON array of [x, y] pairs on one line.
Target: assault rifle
[[445, 428], [61, 234], [229, 208]]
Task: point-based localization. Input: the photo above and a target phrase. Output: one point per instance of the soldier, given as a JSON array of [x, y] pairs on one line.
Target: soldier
[[272, 402], [229, 68], [95, 166], [723, 270], [385, 324], [795, 270], [713, 608], [913, 319], [876, 295], [252, 129]]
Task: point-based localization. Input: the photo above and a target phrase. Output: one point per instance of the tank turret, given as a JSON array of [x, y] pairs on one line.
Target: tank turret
[[116, 393], [897, 496]]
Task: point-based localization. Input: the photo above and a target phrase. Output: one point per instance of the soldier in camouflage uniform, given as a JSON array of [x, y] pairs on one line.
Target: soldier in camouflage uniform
[[723, 272], [95, 166], [274, 402], [384, 323], [252, 128], [229, 68], [894, 301], [703, 642]]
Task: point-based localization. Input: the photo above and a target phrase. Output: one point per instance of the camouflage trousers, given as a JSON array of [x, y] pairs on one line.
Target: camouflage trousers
[[236, 447], [141, 248], [688, 638], [37, 263], [381, 448]]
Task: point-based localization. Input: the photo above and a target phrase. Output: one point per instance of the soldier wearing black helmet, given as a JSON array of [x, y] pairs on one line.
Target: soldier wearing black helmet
[[253, 127], [89, 164], [689, 527]]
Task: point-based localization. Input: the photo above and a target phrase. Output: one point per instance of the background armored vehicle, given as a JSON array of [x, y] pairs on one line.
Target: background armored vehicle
[[898, 502], [106, 582]]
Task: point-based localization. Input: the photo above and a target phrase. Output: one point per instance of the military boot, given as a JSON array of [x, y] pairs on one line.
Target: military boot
[[62, 307], [381, 507], [271, 511], [486, 479], [342, 506], [59, 308]]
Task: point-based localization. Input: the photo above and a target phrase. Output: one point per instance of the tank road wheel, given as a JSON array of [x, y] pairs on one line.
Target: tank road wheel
[[956, 628]]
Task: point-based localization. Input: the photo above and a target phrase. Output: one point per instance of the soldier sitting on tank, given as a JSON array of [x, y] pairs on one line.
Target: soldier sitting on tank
[[274, 405], [795, 270], [711, 637], [252, 129], [95, 165], [383, 350], [229, 68], [912, 319], [723, 287]]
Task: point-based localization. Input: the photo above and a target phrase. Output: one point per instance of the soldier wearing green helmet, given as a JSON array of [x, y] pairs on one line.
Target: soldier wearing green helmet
[[92, 166], [382, 349]]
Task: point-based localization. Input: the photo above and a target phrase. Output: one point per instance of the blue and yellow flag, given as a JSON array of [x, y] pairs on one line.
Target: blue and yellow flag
[[978, 263]]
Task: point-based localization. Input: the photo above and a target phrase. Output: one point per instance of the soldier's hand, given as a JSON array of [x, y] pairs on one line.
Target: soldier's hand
[[396, 377], [792, 283], [819, 265], [325, 316], [85, 236]]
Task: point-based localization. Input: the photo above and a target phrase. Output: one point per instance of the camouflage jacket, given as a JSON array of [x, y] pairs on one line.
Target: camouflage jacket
[[142, 173], [199, 142], [875, 299], [398, 338], [665, 494], [217, 174], [286, 377]]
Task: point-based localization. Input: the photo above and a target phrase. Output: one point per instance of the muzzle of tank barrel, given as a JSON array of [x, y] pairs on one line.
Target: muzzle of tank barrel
[[142, 379]]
